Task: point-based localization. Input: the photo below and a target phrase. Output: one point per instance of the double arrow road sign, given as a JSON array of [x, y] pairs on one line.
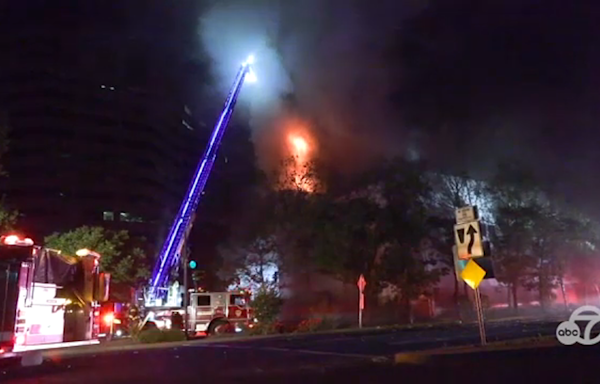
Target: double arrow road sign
[[469, 246], [468, 240], [467, 233]]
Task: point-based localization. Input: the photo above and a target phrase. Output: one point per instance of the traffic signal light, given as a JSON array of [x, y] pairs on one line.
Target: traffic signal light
[[193, 264]]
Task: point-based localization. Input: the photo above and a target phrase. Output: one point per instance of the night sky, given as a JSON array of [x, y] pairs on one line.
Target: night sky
[[461, 83]]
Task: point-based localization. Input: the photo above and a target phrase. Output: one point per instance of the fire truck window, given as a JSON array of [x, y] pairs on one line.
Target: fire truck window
[[203, 301], [237, 300]]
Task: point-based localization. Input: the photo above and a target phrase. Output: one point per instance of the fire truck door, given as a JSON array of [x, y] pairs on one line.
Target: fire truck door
[[219, 304]]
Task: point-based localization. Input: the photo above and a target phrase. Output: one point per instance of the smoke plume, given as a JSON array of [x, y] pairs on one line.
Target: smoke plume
[[328, 55]]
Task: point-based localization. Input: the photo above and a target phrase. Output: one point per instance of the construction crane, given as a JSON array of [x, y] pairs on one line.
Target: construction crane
[[174, 243]]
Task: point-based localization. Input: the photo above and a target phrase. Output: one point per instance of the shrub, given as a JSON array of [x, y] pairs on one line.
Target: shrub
[[266, 305], [155, 335], [318, 324], [173, 335], [265, 328]]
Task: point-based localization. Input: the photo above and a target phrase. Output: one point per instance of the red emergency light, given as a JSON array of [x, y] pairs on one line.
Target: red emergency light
[[16, 240], [109, 318]]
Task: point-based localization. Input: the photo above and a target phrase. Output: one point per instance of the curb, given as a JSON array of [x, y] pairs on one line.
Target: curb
[[421, 357]]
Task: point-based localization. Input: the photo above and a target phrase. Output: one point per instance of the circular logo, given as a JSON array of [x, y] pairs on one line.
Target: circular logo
[[238, 313], [567, 333]]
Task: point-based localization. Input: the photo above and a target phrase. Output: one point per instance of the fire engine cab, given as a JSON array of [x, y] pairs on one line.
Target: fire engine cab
[[48, 299], [211, 313]]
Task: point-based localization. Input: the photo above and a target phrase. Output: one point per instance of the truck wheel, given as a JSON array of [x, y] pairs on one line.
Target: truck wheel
[[219, 327]]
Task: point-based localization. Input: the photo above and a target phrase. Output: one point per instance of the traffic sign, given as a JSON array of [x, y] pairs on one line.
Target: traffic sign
[[361, 283], [466, 214], [468, 240], [473, 274]]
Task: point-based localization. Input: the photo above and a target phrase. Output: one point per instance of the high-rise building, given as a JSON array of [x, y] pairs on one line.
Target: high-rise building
[[98, 134], [95, 95], [85, 153]]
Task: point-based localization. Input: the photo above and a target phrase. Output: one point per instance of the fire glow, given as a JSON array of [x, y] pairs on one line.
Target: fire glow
[[300, 147], [301, 153]]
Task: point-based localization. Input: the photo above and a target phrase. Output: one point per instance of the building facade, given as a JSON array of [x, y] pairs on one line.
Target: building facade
[[88, 153]]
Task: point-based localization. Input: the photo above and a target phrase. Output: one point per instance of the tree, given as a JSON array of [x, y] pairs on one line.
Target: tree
[[8, 217], [576, 252], [345, 238], [124, 258], [583, 262], [516, 210], [441, 235], [255, 265], [450, 192], [409, 260], [406, 269], [547, 241]]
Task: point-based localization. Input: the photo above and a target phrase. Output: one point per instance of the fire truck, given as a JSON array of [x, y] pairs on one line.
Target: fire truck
[[210, 313], [206, 312], [48, 299]]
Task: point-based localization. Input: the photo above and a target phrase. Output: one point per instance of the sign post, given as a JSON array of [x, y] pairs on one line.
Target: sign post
[[480, 319], [469, 245], [361, 283]]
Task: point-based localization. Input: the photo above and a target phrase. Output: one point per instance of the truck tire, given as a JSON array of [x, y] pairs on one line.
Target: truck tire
[[218, 327]]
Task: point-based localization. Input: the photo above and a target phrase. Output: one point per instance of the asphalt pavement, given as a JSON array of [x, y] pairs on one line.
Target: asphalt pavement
[[360, 357]]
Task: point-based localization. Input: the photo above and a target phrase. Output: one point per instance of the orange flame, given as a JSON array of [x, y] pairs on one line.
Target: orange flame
[[300, 144]]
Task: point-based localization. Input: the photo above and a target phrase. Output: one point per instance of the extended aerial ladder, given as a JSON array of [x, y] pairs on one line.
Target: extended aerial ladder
[[174, 243]]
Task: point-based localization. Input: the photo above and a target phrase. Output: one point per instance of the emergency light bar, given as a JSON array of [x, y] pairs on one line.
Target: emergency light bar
[[16, 240]]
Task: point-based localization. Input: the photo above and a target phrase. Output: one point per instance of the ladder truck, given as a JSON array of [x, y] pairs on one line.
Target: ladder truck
[[174, 244]]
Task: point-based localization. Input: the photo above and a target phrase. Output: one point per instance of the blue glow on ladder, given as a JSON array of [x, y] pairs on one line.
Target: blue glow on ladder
[[192, 191], [179, 222], [201, 177]]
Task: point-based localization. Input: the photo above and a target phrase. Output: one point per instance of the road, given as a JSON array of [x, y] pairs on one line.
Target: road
[[355, 357]]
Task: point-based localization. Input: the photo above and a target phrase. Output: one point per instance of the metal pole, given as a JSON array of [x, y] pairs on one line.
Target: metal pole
[[480, 318], [185, 291], [361, 307], [360, 313]]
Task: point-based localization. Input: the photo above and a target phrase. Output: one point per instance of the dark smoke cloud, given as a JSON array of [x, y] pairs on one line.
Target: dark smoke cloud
[[511, 80], [328, 54], [473, 82]]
